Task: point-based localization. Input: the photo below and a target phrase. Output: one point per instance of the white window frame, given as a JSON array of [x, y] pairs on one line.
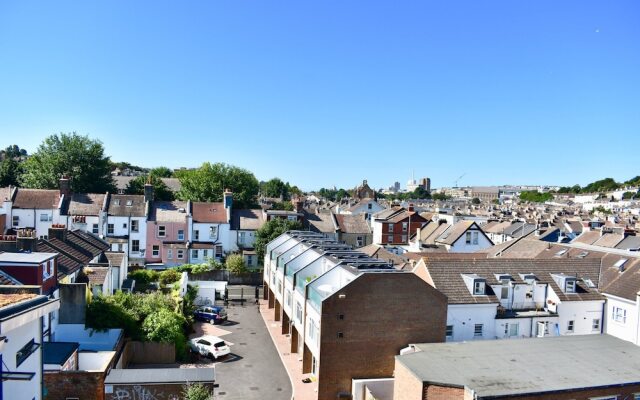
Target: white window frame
[[619, 315], [475, 237], [135, 225], [390, 238], [595, 324], [155, 250], [15, 220], [180, 235], [509, 331], [135, 243], [162, 231], [196, 235], [405, 226], [467, 238], [479, 288], [298, 311], [390, 228], [169, 254], [111, 228], [45, 219], [194, 254], [449, 332], [205, 253], [478, 330], [571, 326], [213, 232], [570, 286], [95, 229], [180, 254]]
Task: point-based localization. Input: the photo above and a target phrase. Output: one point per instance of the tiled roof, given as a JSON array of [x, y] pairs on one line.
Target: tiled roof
[[447, 272], [114, 257], [321, 222], [630, 242], [609, 240], [79, 241], [86, 204], [36, 198], [92, 239], [6, 279], [379, 252], [209, 212], [96, 275], [588, 237], [66, 264], [124, 205], [451, 235], [9, 299]]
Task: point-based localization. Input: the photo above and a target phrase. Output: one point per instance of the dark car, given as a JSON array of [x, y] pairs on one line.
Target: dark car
[[212, 314]]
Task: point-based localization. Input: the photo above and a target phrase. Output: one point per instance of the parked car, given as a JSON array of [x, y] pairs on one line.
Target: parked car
[[211, 314], [209, 346]]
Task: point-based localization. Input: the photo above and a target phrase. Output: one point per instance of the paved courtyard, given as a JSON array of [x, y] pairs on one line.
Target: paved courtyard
[[253, 370]]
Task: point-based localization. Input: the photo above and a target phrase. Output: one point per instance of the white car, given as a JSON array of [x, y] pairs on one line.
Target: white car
[[209, 346]]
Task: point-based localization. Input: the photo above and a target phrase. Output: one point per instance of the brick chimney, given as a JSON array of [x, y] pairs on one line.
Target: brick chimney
[[65, 186], [410, 207], [26, 240], [58, 231], [148, 192]]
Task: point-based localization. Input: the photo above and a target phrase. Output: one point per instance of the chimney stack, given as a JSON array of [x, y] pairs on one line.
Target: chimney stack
[[148, 192], [65, 186], [58, 231], [410, 207]]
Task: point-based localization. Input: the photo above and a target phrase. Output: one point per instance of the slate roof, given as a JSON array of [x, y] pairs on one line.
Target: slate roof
[[93, 240], [521, 247], [438, 229], [496, 227], [353, 223], [447, 272], [455, 231], [114, 257], [119, 205], [36, 198], [6, 279], [86, 204], [246, 220], [515, 368], [209, 212], [630, 242], [379, 252], [79, 241], [123, 181], [67, 264]]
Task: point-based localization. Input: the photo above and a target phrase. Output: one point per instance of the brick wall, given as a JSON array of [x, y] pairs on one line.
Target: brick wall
[[151, 391], [434, 392], [80, 384], [381, 314], [405, 385], [626, 392]]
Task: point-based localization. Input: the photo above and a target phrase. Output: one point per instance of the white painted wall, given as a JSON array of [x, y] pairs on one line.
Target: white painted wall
[[17, 338], [463, 317], [626, 329], [461, 246]]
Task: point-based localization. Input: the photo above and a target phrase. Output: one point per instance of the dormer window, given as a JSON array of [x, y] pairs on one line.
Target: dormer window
[[570, 286], [478, 287]]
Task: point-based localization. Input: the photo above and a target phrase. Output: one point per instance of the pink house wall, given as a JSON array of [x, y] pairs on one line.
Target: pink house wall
[[171, 229]]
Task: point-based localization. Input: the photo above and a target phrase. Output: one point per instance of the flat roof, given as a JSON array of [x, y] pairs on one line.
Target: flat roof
[[159, 375], [527, 366], [35, 257], [57, 353]]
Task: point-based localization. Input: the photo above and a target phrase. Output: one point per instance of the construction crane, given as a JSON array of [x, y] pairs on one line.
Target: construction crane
[[455, 183]]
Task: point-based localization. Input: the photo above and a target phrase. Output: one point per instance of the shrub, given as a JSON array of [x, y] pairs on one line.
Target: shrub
[[166, 326], [235, 264], [144, 276], [169, 276], [196, 391]]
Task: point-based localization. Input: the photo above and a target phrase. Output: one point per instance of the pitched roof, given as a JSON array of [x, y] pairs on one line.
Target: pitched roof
[[66, 264], [209, 212], [588, 237], [376, 251], [114, 257], [447, 272], [168, 211], [96, 275], [455, 231], [352, 223], [250, 220], [86, 204], [36, 198], [6, 279], [125, 205], [630, 242], [609, 240], [321, 221], [80, 240]]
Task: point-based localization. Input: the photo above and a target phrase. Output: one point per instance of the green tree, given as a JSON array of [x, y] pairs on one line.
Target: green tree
[[76, 156], [208, 182], [534, 196], [10, 172], [166, 326], [603, 185], [235, 264], [440, 196], [14, 151], [476, 201], [169, 276], [635, 181], [271, 230], [161, 172], [275, 188], [160, 190], [628, 195], [285, 205]]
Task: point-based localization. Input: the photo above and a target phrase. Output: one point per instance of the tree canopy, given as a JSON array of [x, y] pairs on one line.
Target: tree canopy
[[160, 190], [10, 172], [275, 188], [208, 182], [534, 196], [78, 157], [161, 172], [271, 230]]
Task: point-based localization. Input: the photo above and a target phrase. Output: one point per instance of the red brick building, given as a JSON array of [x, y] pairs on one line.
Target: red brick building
[[395, 226], [38, 269]]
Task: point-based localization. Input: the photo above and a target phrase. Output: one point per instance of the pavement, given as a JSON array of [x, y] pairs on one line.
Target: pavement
[[253, 370], [292, 361]]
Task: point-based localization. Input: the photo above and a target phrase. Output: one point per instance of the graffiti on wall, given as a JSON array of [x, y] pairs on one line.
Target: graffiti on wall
[[141, 393]]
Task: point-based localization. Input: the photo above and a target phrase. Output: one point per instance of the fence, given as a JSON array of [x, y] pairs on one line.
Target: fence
[[148, 353], [252, 278]]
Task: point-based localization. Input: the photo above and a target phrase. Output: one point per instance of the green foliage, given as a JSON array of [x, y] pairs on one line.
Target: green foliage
[[161, 172], [166, 326], [534, 196], [235, 264], [628, 195], [635, 181], [169, 276], [603, 185], [14, 152], [275, 188], [160, 190], [208, 182], [10, 172], [440, 196], [333, 195], [76, 156], [286, 205], [601, 210], [196, 391], [144, 276], [476, 201], [107, 312], [271, 230]]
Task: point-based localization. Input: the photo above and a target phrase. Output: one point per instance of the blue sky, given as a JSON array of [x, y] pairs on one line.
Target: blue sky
[[323, 93]]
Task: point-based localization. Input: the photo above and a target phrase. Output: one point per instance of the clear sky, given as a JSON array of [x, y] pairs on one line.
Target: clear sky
[[323, 93]]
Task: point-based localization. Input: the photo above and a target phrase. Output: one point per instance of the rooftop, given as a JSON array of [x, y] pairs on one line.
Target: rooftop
[[26, 258], [527, 366], [159, 375]]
